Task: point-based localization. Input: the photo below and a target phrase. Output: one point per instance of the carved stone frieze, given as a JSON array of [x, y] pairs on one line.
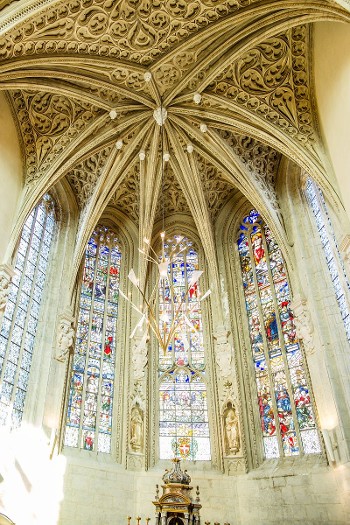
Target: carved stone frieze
[[216, 189], [260, 160], [138, 31], [83, 176], [48, 123], [272, 80]]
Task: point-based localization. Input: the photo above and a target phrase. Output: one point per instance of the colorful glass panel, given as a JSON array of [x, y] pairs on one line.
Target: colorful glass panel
[[287, 418], [184, 427], [90, 404], [330, 248], [21, 314]]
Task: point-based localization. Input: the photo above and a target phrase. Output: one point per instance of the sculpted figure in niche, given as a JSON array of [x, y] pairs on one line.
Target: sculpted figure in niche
[[136, 429], [64, 339], [231, 430]]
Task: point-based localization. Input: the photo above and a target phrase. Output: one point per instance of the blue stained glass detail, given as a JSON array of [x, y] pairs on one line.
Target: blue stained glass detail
[[22, 312], [89, 413], [278, 364], [184, 429], [331, 251]]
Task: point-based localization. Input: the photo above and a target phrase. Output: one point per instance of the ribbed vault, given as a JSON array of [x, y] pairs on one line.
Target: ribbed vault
[[233, 76]]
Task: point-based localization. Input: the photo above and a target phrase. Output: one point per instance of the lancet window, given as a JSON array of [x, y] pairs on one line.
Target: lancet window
[[90, 404], [287, 416], [20, 320], [184, 428], [330, 248]]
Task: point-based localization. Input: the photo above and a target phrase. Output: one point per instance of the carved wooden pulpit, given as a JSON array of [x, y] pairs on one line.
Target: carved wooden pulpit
[[176, 505]]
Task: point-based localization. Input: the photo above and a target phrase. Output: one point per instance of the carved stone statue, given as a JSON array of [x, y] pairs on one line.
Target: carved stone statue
[[223, 353], [6, 274], [65, 335], [136, 429], [139, 356], [303, 323], [231, 430]]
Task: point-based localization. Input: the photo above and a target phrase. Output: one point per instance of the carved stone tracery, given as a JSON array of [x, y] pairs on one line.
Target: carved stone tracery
[[259, 159], [127, 196], [216, 189], [83, 176], [49, 122], [272, 80], [137, 31], [172, 197]]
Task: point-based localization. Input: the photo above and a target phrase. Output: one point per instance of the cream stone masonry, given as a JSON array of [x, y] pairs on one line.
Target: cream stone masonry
[[250, 97]]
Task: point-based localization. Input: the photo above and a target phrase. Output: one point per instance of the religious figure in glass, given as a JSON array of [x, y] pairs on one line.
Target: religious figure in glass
[[287, 416], [184, 427], [90, 403]]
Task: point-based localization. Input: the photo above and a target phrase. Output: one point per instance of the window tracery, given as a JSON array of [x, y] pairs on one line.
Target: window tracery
[[285, 407], [20, 320], [330, 249], [183, 419], [90, 404]]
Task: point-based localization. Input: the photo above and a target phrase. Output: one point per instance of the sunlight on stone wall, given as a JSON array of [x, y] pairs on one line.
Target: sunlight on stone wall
[[31, 487]]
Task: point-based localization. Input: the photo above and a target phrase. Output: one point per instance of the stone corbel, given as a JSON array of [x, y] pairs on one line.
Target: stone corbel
[[223, 352], [65, 335], [6, 275], [139, 355], [303, 323]]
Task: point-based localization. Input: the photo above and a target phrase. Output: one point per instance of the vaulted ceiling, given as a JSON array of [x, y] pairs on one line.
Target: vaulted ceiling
[[233, 76]]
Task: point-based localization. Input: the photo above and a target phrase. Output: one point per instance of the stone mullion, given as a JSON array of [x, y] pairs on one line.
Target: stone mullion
[[17, 300], [282, 345], [83, 396], [104, 327], [336, 254], [335, 249], [266, 347], [15, 382]]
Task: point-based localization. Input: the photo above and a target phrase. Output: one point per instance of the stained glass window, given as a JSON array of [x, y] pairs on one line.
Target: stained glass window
[[90, 404], [286, 413], [21, 314], [184, 428], [329, 244]]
